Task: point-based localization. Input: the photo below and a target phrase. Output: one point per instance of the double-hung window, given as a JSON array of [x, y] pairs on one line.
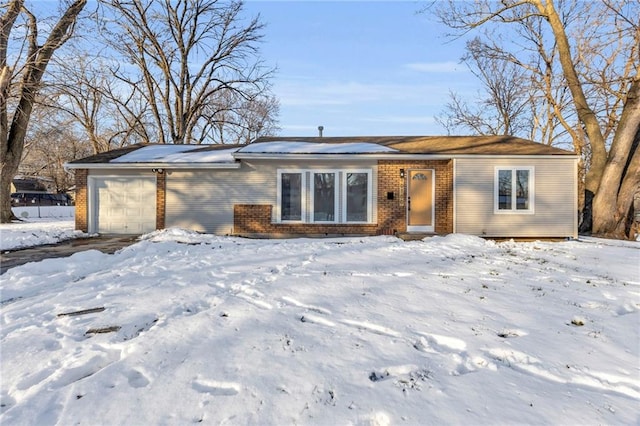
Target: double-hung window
[[513, 190], [324, 196]]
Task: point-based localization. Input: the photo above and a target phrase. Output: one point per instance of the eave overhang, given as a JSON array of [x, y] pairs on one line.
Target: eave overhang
[[159, 165], [385, 156]]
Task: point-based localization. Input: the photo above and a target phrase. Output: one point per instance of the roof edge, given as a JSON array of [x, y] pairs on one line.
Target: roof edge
[[390, 156], [172, 166]]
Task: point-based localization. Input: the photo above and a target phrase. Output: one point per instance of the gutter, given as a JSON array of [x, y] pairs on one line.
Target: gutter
[[141, 166], [385, 156]]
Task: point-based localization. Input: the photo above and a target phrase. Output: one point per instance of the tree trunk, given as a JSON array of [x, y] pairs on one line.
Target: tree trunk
[[8, 169], [7, 159], [629, 190], [586, 115], [613, 202], [12, 135]]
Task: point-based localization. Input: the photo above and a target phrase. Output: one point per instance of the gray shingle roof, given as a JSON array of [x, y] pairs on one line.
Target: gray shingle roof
[[444, 145], [425, 145]]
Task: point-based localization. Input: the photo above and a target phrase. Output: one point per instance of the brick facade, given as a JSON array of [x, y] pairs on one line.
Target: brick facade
[[161, 188], [82, 201], [252, 219], [392, 213]]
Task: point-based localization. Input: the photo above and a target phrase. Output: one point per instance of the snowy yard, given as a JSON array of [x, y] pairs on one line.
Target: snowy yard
[[189, 328], [41, 225]]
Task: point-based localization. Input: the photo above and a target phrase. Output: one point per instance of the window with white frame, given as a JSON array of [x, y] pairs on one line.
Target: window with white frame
[[513, 190], [324, 200], [357, 195], [324, 196], [290, 191]]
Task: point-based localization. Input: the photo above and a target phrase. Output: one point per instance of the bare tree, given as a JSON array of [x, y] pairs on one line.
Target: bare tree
[[51, 141], [77, 90], [241, 120], [503, 109], [13, 126], [88, 93], [186, 53], [257, 117], [607, 40]]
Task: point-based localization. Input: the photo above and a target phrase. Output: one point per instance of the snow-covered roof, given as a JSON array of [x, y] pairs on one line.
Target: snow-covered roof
[[371, 147], [177, 154], [286, 147], [161, 155]]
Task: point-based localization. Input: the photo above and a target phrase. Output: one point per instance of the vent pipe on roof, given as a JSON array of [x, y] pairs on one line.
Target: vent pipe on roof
[[320, 129]]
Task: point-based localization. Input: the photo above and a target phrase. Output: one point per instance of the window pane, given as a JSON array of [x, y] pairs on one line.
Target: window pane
[[522, 189], [291, 208], [504, 189], [324, 191], [357, 197]]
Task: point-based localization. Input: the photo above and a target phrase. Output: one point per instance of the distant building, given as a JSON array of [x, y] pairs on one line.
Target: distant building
[[32, 185]]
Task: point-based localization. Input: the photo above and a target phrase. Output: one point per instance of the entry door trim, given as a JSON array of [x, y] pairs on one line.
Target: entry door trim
[[421, 228]]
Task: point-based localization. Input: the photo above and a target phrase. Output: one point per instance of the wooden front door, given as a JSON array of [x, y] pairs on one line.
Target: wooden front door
[[420, 203]]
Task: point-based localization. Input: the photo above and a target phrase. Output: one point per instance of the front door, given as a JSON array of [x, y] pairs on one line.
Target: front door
[[420, 201]]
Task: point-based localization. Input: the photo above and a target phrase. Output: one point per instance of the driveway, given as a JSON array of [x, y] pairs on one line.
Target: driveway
[[105, 244]]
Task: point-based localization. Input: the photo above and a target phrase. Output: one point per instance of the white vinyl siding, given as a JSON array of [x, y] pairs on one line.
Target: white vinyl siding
[[203, 200], [553, 193]]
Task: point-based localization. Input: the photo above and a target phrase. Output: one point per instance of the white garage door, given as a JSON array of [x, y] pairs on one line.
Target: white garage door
[[124, 204]]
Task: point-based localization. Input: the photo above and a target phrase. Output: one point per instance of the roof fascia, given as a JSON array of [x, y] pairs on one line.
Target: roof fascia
[[171, 166], [386, 156]]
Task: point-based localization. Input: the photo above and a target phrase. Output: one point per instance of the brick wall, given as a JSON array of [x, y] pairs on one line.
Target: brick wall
[[392, 213], [82, 221], [161, 187], [256, 219]]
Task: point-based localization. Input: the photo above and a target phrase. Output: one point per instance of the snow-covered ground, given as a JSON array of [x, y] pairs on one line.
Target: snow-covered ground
[[363, 331], [57, 225]]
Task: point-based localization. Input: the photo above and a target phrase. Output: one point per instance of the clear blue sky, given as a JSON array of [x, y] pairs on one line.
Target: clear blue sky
[[360, 68]]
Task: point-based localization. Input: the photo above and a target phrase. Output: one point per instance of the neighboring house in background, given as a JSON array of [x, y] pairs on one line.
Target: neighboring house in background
[[495, 186], [32, 185]]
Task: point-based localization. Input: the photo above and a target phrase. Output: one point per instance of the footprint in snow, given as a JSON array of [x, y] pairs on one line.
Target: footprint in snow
[[215, 387], [374, 328], [316, 320], [466, 364], [256, 302], [439, 343], [628, 308], [314, 308], [455, 349], [511, 332], [137, 379], [404, 377]]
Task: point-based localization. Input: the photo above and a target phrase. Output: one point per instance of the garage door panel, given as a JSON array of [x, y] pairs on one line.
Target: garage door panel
[[125, 205]]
